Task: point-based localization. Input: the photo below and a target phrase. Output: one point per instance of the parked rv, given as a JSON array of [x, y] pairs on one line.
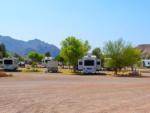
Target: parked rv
[[10, 64], [46, 60], [146, 63], [89, 64], [52, 66], [22, 64]]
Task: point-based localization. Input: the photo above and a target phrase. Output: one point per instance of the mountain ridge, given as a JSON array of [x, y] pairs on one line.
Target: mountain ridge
[[145, 49], [23, 47]]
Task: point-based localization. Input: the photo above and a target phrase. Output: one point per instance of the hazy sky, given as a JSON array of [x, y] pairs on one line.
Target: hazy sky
[[93, 20]]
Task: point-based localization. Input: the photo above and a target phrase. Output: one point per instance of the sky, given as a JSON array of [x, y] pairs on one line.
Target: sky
[[94, 20]]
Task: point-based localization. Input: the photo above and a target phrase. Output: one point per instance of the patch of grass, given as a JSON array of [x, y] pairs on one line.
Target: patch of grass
[[124, 73], [32, 69], [146, 70], [68, 72], [128, 74]]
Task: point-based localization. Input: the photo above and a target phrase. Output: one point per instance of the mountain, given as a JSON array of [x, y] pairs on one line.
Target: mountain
[[23, 47], [145, 49]]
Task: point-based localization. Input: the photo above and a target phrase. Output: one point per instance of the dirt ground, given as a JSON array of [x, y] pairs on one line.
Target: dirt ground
[[55, 93]]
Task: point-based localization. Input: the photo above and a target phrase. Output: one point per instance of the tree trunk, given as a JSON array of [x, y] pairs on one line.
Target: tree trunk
[[69, 66], [132, 68], [74, 68], [116, 71], [63, 66]]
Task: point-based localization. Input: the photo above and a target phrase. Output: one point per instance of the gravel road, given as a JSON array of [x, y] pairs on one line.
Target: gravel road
[[56, 93]]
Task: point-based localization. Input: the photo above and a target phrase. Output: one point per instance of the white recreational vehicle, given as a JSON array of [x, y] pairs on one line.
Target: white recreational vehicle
[[146, 63], [46, 60], [52, 66], [10, 64], [89, 64]]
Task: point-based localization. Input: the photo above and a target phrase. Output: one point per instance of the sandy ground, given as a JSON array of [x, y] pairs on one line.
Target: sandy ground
[[55, 93]]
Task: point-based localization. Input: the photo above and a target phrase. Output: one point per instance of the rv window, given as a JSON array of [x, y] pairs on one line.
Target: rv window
[[89, 62], [1, 62], [8, 62], [80, 63], [46, 61], [98, 63]]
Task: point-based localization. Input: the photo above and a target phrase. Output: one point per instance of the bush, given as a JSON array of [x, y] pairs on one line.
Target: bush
[[34, 64], [32, 68]]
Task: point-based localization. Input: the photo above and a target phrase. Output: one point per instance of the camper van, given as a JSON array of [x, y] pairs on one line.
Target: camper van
[[52, 66], [89, 64], [46, 60], [146, 63], [10, 64]]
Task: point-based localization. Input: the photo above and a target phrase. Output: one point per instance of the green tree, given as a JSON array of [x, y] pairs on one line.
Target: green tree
[[16, 55], [59, 58], [73, 49], [131, 56], [3, 52], [108, 63], [98, 53], [48, 54], [87, 46], [121, 54], [115, 51], [35, 57]]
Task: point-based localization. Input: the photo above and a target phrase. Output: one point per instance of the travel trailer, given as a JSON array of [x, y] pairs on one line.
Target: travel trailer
[[146, 63], [52, 66], [10, 64], [46, 60], [89, 64]]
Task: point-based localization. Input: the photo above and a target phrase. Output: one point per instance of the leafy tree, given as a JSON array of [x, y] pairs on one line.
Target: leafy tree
[[108, 63], [73, 49], [3, 52], [16, 55], [48, 54], [131, 56], [35, 57], [87, 46], [122, 54], [59, 58], [98, 53]]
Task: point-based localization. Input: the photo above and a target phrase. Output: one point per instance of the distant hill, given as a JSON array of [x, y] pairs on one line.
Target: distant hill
[[145, 49], [23, 47]]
